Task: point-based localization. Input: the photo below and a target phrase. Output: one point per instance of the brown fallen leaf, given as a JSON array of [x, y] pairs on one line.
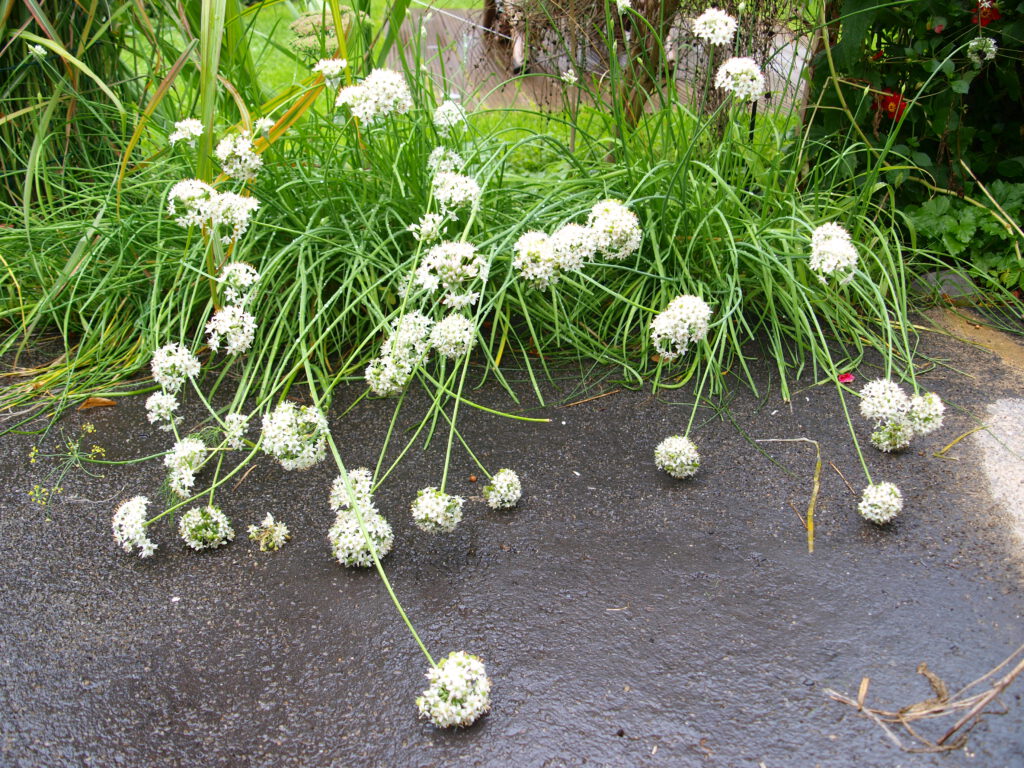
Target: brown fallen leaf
[[96, 402]]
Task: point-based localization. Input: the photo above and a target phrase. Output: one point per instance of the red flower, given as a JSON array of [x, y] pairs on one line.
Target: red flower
[[892, 103], [878, 55], [985, 13], [846, 378]]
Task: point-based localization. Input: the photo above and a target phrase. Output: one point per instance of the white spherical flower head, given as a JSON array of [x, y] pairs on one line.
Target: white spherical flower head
[[429, 228], [237, 280], [404, 350], [434, 511], [741, 77], [616, 230], [231, 210], [262, 126], [569, 77], [926, 413], [383, 93], [190, 202], [361, 483], [129, 525], [884, 400], [183, 460], [891, 436], [454, 190], [832, 252], [880, 503], [535, 260], [350, 547], [448, 116], [572, 246], [271, 534], [678, 456], [444, 160], [233, 326], [235, 427], [682, 322], [504, 490], [981, 49], [171, 365], [187, 130], [332, 70], [459, 691], [237, 157], [295, 435], [715, 27], [449, 265], [205, 528], [160, 408], [454, 336]]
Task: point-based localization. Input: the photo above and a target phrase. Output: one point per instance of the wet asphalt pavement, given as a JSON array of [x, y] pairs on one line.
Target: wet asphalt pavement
[[627, 619]]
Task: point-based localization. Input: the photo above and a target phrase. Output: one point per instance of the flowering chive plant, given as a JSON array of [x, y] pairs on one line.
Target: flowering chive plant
[[459, 691], [205, 528], [504, 490]]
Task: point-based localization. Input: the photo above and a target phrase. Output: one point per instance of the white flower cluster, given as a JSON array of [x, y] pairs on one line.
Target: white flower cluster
[[232, 325], [741, 77], [205, 528], [535, 261], [201, 205], [459, 691], [448, 116], [444, 160], [569, 77], [188, 130], [270, 534], [454, 336], [880, 503], [295, 435], [171, 365], [129, 525], [238, 158], [235, 427], [429, 228], [682, 322], [572, 246], [348, 544], [184, 460], [833, 252], [715, 26], [160, 408], [616, 230], [237, 280], [898, 418], [434, 511], [383, 93], [449, 265], [406, 347], [504, 490], [981, 49], [332, 70], [262, 126], [454, 190], [678, 456]]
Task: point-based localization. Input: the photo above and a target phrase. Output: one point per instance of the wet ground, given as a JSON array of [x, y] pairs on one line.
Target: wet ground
[[627, 619]]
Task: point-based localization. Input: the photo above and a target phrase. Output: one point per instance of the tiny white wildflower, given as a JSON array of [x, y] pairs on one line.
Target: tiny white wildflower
[[235, 427], [678, 456], [569, 76], [454, 336], [741, 77], [434, 511], [715, 26], [295, 435], [429, 228], [572, 246], [187, 130], [262, 126], [37, 51], [205, 528], [232, 325], [623, 5], [270, 534], [683, 322], [160, 408], [616, 229], [332, 71], [459, 691], [238, 158], [981, 49], [444, 160], [880, 503], [171, 365], [504, 490], [129, 523], [448, 116], [384, 92], [237, 279]]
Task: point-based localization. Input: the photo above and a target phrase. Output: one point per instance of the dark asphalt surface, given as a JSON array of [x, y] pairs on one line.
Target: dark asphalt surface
[[626, 619]]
